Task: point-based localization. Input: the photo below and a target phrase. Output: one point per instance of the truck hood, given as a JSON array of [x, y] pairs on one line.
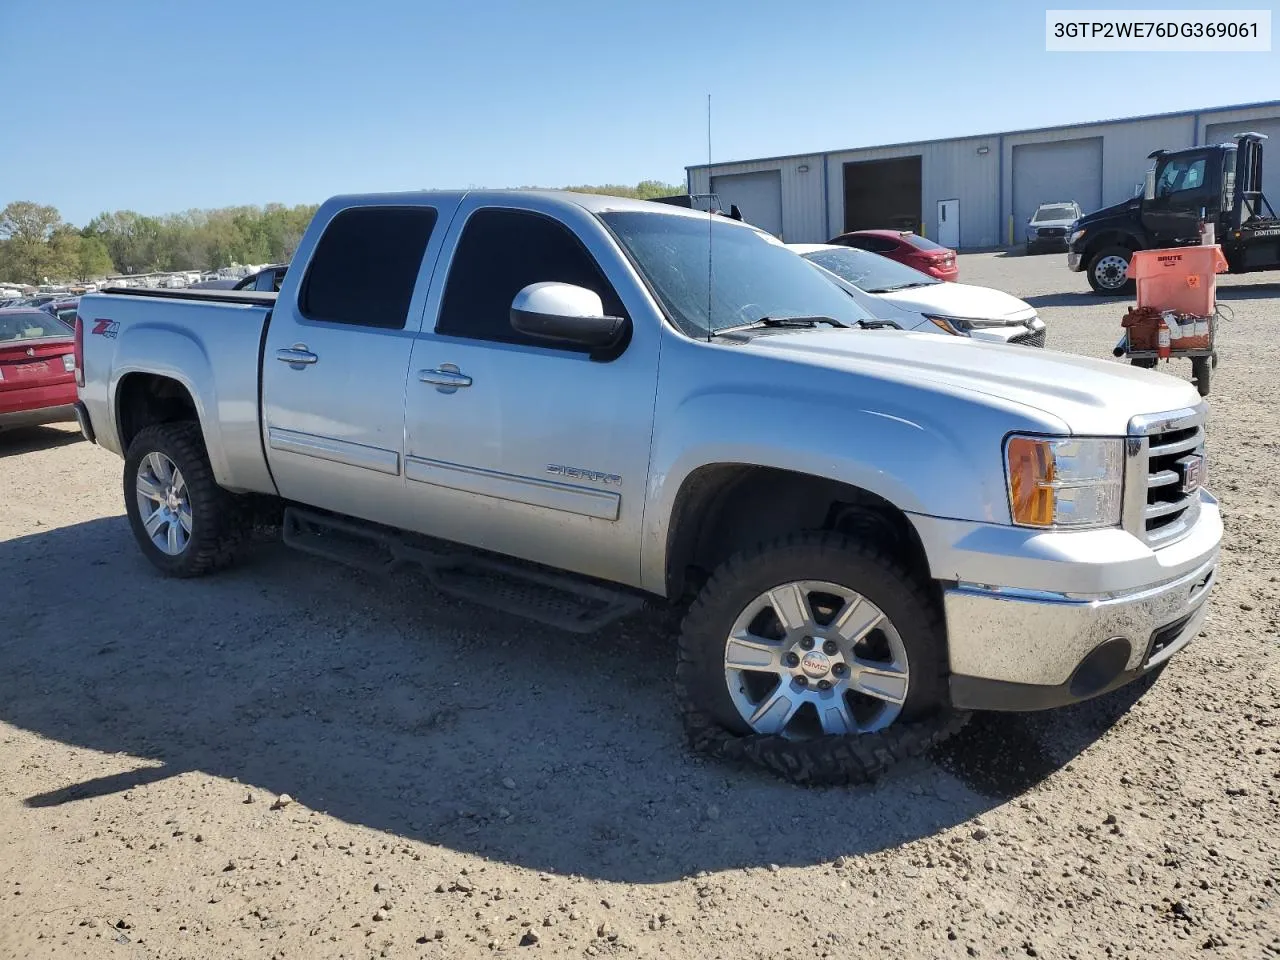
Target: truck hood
[[1124, 207], [961, 300], [1090, 397]]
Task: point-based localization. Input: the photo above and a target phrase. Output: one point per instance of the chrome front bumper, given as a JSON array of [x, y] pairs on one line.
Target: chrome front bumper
[[1040, 619], [1042, 650]]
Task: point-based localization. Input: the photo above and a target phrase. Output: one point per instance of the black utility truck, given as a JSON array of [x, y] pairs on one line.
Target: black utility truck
[[1220, 184]]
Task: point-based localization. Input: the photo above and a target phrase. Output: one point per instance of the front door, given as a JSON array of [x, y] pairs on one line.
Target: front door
[[336, 357], [515, 445], [1185, 185], [949, 223]]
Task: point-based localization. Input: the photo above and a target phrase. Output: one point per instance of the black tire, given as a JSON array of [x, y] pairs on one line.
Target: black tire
[[714, 726], [220, 524], [1100, 287], [1146, 363], [1200, 367]]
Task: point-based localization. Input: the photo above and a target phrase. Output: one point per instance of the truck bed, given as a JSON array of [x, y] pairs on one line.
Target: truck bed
[[258, 298]]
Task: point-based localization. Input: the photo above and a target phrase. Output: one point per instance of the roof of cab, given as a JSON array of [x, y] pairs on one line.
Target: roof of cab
[[594, 203]]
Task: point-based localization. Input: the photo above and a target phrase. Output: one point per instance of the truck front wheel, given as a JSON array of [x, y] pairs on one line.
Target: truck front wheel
[[816, 656], [184, 522], [1107, 272]]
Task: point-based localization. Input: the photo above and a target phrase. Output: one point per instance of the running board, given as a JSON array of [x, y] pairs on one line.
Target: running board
[[554, 599]]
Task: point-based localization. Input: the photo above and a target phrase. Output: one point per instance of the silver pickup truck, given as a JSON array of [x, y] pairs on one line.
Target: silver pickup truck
[[565, 405]]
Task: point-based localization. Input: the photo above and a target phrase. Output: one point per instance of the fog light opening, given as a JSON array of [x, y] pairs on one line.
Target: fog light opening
[[1101, 667]]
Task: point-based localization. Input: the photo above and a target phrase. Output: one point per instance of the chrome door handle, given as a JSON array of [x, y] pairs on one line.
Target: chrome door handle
[[445, 375], [296, 356]]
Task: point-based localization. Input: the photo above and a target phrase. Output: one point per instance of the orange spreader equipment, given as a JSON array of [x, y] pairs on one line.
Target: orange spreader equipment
[[1182, 279], [1177, 308]]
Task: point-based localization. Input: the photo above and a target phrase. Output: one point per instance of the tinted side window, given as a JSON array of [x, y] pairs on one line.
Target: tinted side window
[[500, 253], [874, 244], [365, 266]]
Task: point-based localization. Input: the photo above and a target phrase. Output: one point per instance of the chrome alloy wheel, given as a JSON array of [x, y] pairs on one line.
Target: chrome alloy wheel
[[1110, 272], [810, 658], [164, 504]]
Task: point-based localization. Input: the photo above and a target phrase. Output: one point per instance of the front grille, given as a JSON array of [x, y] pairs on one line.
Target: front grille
[[1056, 233], [1168, 509], [1033, 338]]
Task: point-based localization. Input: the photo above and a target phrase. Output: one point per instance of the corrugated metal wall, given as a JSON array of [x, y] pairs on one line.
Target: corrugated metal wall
[[802, 205], [951, 170], [813, 201]]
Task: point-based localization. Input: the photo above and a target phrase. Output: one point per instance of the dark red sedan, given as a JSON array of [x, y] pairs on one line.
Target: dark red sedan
[[37, 368], [905, 247]]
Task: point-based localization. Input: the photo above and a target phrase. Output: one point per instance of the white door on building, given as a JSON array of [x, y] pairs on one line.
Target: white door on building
[[949, 223]]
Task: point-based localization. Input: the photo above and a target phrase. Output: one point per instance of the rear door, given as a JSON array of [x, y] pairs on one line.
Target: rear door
[[336, 356], [534, 451]]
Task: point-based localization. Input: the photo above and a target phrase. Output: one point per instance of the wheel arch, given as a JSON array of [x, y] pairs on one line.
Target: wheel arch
[[1113, 237], [722, 508]]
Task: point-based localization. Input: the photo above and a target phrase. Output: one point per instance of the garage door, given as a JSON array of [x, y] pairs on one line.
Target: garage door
[[1055, 172], [1223, 132], [758, 196]]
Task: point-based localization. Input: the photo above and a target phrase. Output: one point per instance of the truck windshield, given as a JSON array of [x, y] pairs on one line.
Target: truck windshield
[[751, 277]]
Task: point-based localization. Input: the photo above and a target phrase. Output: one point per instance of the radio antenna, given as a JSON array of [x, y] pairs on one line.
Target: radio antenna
[[710, 218]]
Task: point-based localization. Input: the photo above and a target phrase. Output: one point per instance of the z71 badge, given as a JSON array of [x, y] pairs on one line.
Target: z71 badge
[[106, 328]]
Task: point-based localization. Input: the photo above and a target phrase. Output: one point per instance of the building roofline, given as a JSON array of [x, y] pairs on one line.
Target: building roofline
[[1202, 112]]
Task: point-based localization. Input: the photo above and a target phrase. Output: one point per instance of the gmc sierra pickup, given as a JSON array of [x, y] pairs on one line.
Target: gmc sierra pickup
[[562, 405]]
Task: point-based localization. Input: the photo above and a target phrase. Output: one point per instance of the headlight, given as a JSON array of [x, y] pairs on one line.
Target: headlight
[[956, 326], [1032, 231], [1066, 482], [1077, 234], [964, 326]]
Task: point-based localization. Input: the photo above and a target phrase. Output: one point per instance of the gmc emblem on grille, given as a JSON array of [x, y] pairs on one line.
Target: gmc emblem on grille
[[1192, 470]]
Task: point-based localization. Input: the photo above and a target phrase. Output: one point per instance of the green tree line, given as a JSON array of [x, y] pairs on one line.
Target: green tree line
[[36, 245]]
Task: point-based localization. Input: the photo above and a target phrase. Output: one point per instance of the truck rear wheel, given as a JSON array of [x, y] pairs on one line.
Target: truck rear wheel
[[184, 522], [1107, 272], [817, 657]]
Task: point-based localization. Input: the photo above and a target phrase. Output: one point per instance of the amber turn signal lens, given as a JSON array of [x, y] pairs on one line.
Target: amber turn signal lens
[[1031, 475]]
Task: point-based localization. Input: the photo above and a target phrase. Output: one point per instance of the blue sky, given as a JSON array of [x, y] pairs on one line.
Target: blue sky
[[160, 106]]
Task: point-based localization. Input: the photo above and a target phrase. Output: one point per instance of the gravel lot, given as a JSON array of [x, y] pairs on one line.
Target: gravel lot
[[463, 784]]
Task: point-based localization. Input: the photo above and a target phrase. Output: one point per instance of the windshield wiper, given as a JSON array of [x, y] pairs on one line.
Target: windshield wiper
[[797, 322], [901, 286]]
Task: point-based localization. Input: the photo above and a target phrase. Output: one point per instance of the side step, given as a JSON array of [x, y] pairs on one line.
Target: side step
[[523, 590]]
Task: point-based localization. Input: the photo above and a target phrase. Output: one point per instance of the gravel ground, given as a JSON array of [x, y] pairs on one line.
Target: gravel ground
[[464, 784]]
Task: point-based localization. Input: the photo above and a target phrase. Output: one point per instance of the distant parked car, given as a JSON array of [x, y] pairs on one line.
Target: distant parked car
[[906, 247], [64, 310], [916, 301], [1048, 226], [37, 368], [267, 279], [215, 284]]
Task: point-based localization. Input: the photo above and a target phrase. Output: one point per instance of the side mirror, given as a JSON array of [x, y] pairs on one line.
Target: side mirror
[[1149, 186], [564, 313]]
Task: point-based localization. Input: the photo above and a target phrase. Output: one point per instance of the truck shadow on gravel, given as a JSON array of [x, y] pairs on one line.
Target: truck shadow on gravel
[[386, 705], [20, 440]]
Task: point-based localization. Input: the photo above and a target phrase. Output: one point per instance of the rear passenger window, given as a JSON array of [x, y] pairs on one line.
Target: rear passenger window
[[366, 265], [499, 254]]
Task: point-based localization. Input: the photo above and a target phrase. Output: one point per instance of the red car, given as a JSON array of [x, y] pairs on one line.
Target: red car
[[37, 368], [905, 247]]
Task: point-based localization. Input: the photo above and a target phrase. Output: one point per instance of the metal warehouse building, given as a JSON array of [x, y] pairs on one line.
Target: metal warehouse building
[[971, 191]]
